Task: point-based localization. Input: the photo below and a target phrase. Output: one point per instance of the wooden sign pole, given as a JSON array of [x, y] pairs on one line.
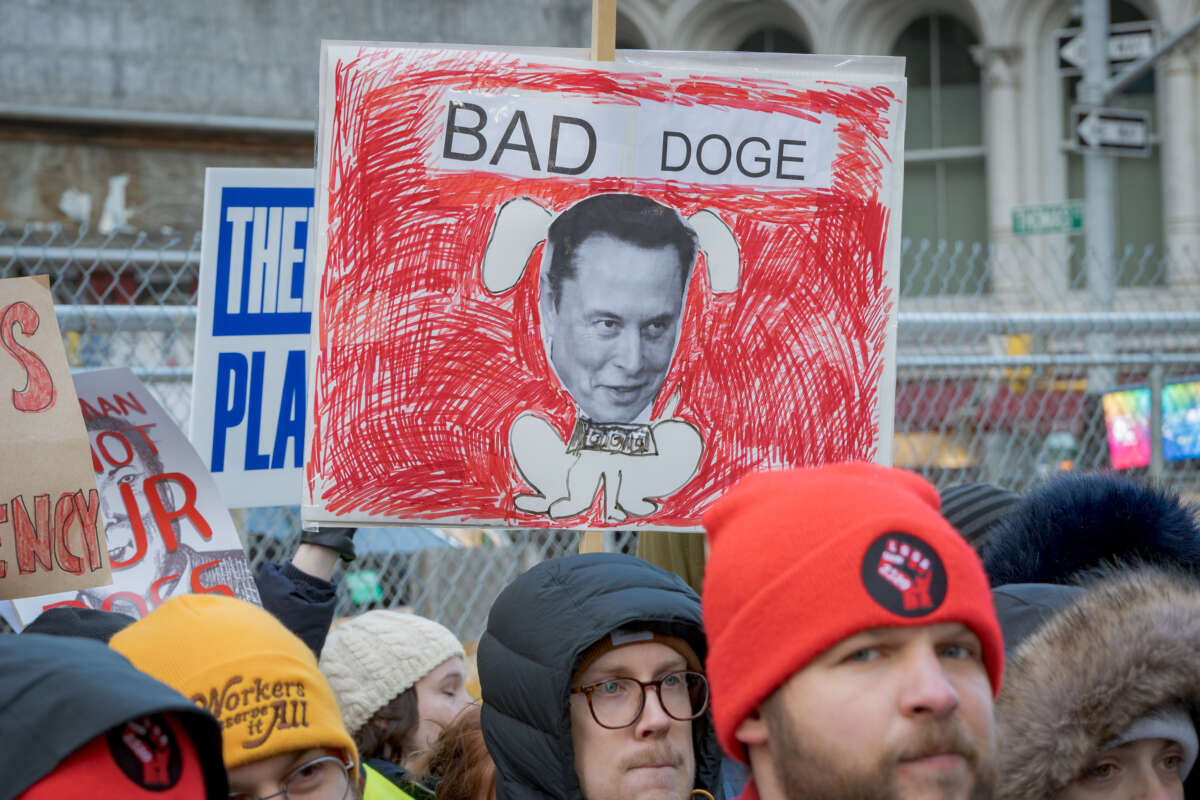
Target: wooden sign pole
[[604, 48], [604, 30]]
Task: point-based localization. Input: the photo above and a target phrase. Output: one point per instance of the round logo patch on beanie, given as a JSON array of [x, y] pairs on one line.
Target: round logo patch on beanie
[[147, 751], [904, 574]]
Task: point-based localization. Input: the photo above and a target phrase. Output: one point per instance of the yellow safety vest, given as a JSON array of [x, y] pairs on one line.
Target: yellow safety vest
[[380, 788]]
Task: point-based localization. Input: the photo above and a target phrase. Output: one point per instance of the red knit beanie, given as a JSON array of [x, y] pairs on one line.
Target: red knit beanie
[[803, 559]]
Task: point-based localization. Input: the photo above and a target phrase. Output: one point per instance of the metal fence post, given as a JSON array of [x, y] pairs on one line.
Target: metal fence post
[[1156, 418]]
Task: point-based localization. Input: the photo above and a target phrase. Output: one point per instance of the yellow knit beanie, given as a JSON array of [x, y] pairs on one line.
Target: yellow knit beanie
[[238, 662]]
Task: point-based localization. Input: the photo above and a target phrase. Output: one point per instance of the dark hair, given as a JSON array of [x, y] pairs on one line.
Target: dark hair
[[628, 217], [384, 733], [458, 762]]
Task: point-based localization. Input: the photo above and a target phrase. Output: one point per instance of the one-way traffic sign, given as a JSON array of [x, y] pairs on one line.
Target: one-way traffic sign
[[1117, 131], [1127, 42]]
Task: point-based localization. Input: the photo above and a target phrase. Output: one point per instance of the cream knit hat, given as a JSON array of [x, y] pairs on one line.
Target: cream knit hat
[[373, 657]]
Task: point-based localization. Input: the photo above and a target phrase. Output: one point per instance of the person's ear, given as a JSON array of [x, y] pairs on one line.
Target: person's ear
[[752, 730]]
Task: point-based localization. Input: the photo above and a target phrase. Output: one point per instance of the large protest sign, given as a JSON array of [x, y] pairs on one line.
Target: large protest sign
[[252, 326], [168, 531], [51, 533], [560, 294]]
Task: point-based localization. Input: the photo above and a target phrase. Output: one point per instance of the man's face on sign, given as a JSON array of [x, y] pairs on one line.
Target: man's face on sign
[[612, 331], [118, 522]]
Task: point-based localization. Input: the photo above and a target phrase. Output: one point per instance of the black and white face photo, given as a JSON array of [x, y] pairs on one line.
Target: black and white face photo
[[612, 298]]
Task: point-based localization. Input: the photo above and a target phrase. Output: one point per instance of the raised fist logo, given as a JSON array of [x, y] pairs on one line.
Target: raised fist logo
[[147, 752], [148, 742], [907, 569], [904, 575]]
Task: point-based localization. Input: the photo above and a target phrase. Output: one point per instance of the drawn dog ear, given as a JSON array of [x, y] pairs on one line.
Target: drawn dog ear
[[721, 251], [520, 225]]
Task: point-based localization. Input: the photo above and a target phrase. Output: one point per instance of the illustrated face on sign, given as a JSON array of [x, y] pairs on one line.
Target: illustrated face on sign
[[612, 297], [127, 458]]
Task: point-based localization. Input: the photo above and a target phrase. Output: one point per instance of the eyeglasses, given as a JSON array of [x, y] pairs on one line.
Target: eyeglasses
[[325, 778], [618, 702]]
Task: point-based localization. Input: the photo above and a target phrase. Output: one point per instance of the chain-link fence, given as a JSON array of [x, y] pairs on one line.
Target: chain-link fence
[[1015, 360]]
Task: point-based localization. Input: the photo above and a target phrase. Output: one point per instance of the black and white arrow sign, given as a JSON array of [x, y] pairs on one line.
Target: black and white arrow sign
[[1127, 42], [1118, 131]]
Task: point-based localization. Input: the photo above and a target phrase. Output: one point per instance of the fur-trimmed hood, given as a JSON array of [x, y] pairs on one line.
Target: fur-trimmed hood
[[1128, 644], [1076, 522]]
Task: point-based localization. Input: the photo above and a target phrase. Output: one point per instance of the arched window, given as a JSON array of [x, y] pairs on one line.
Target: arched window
[[945, 181], [1139, 197], [773, 40]]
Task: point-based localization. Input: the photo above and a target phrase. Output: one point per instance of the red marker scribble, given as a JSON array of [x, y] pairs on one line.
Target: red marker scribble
[[420, 371]]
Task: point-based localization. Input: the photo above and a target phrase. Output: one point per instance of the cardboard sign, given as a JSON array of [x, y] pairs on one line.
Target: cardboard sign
[[51, 531], [168, 531], [562, 294], [252, 325]]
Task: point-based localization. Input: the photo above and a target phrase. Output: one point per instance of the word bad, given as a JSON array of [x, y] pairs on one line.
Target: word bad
[[465, 139]]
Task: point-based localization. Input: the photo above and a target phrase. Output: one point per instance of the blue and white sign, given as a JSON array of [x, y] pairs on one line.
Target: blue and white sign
[[254, 311]]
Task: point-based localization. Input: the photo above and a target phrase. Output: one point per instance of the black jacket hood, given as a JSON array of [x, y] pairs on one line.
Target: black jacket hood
[[58, 693], [537, 630]]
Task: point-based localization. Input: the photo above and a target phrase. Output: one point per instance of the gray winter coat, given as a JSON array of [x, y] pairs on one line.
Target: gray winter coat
[[537, 630]]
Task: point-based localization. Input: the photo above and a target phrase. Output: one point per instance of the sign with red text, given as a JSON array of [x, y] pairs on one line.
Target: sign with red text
[[169, 533], [557, 293], [51, 530]]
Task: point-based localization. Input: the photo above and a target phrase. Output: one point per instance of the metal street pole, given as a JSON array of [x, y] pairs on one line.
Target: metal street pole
[[1099, 185]]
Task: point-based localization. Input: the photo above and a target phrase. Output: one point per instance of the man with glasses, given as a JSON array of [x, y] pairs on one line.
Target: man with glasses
[[282, 731], [855, 650], [592, 672]]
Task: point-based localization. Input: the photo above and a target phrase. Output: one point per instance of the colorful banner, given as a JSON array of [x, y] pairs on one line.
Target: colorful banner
[[560, 294]]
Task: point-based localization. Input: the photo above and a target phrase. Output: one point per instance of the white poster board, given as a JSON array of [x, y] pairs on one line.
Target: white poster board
[[741, 316], [254, 306]]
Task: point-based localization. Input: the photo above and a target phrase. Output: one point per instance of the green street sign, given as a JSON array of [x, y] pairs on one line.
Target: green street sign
[[1048, 218]]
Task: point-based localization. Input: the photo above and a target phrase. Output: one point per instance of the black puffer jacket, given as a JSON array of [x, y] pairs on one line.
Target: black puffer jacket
[[538, 628]]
